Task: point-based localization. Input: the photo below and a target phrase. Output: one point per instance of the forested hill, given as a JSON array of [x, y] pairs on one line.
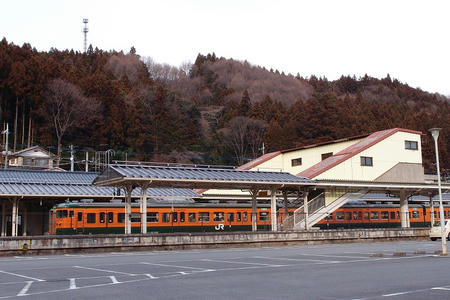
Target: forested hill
[[216, 110]]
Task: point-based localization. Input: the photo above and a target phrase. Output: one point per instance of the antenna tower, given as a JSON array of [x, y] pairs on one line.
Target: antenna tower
[[85, 31]]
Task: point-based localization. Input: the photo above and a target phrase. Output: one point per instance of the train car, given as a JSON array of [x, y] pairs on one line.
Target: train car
[[96, 218], [364, 215]]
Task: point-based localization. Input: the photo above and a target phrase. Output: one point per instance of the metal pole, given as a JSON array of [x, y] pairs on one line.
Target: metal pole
[[435, 134], [273, 209], [6, 132], [71, 158], [87, 162]]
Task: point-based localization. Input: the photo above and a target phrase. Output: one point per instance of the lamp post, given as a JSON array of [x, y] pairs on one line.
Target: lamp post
[[435, 134]]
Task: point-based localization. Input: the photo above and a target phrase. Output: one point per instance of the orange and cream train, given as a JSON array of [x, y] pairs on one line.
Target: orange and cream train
[[93, 218]]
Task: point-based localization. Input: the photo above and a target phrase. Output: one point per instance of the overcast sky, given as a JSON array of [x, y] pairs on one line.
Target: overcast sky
[[408, 39]]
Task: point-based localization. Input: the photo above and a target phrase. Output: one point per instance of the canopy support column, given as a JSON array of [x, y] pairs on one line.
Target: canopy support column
[[143, 208], [24, 220], [14, 216], [254, 210], [285, 202], [404, 210], [128, 190], [305, 209], [431, 211], [4, 218], [273, 209]]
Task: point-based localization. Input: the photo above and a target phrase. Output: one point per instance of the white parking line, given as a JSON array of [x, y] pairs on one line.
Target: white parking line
[[23, 276], [103, 270], [174, 266], [114, 280], [25, 289], [72, 285], [298, 259], [245, 263]]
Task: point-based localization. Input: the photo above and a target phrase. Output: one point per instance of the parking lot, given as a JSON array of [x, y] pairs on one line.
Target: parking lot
[[401, 270]]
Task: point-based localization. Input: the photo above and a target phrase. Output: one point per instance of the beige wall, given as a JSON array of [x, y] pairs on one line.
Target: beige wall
[[386, 154]]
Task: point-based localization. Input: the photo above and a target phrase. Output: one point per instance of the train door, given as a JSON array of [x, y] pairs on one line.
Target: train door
[[241, 219], [79, 222]]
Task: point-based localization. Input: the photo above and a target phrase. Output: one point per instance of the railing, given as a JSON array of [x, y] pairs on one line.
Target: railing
[[313, 206]]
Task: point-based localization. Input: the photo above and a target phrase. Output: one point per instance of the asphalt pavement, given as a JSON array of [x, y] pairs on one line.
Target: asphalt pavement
[[385, 270]]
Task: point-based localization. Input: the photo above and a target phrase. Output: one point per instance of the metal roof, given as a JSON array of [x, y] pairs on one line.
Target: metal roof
[[118, 175], [85, 191], [45, 177], [385, 197]]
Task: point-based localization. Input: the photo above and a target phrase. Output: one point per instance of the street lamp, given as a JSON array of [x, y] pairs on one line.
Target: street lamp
[[435, 134]]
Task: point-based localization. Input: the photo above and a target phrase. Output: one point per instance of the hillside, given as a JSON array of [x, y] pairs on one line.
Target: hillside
[[216, 110]]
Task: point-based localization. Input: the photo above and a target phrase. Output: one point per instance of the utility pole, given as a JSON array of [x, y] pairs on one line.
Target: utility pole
[[6, 132], [87, 162], [71, 158]]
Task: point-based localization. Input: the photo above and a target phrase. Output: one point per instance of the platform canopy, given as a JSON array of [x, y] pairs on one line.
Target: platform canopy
[[197, 178]]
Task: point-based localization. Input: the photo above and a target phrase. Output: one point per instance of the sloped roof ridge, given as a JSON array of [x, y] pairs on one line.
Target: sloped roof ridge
[[351, 151]]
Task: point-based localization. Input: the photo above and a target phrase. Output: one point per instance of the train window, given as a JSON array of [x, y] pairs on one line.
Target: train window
[[245, 216], [366, 215], [392, 215], [182, 217], [415, 214], [135, 217], [339, 215], [238, 216], [329, 217], [91, 218], [61, 214], [152, 217], [121, 217], [174, 216], [80, 216], [102, 217], [71, 213], [110, 217], [357, 215], [203, 216], [348, 215], [384, 215], [435, 214], [374, 215], [191, 217], [264, 216], [398, 215], [230, 217], [219, 216], [166, 217]]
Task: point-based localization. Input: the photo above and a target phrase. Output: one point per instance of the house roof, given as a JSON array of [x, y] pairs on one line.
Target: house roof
[[33, 148], [258, 161], [351, 151]]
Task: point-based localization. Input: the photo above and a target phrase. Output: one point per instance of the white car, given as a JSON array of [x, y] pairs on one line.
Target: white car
[[435, 231]]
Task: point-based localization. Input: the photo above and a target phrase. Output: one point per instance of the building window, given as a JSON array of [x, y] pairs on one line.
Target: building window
[[326, 155], [366, 161], [296, 162], [411, 145]]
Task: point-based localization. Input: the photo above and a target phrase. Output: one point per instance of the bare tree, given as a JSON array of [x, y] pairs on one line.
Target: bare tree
[[67, 107], [244, 135]]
